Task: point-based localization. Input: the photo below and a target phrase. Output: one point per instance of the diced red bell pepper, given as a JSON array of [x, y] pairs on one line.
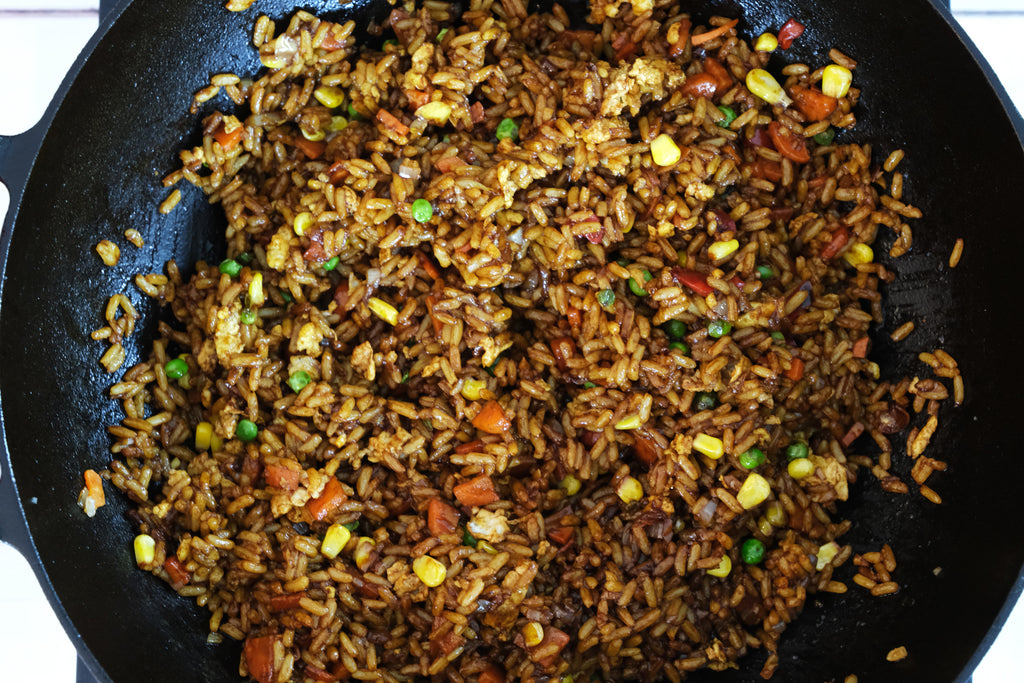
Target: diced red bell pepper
[[693, 280]]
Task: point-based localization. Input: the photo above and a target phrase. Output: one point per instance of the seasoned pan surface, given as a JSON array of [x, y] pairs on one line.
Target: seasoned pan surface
[[116, 133]]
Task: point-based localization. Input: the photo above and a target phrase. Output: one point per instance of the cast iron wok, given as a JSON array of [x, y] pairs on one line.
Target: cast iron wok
[[91, 169]]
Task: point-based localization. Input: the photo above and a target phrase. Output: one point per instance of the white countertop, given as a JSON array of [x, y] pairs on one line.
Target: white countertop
[[33, 646]]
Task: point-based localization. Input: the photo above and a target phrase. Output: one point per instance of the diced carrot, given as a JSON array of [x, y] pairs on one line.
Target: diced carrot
[[703, 84], [627, 48], [838, 241], [476, 491], [469, 447], [701, 38], [492, 419], [812, 103], [796, 369], [491, 674], [563, 348], [860, 347], [431, 301], [561, 535], [391, 122], [789, 144], [555, 637], [227, 140], [94, 485], [476, 112], [281, 477], [855, 431], [336, 172], [176, 571], [818, 181], [279, 603], [327, 502], [428, 265], [330, 42], [447, 643], [573, 314], [259, 658], [442, 518], [449, 164], [312, 149], [767, 169], [731, 151], [417, 98], [721, 75]]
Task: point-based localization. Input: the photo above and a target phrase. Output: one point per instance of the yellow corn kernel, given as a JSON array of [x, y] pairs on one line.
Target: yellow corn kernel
[[629, 490], [859, 253], [272, 61], [256, 295], [337, 123], [215, 443], [301, 223], [533, 633], [316, 136], [664, 150], [435, 112], [708, 445], [431, 572], [723, 568], [472, 388], [571, 485], [800, 468], [764, 526], [335, 540], [329, 96], [204, 436], [720, 250], [826, 553], [145, 550], [766, 42], [764, 85], [630, 422], [486, 547], [754, 491], [363, 555], [383, 310], [775, 514], [836, 80]]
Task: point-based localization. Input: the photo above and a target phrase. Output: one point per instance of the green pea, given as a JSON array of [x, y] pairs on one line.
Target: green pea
[[246, 430], [351, 526], [778, 336], [176, 369], [752, 458], [825, 137], [675, 329], [752, 551], [353, 114], [467, 539], [286, 295], [719, 328], [606, 297], [765, 272], [508, 128], [298, 380], [244, 258], [422, 210], [589, 385], [730, 116], [332, 263], [647, 276], [681, 346], [247, 317], [797, 450], [231, 267], [636, 287], [705, 400]]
